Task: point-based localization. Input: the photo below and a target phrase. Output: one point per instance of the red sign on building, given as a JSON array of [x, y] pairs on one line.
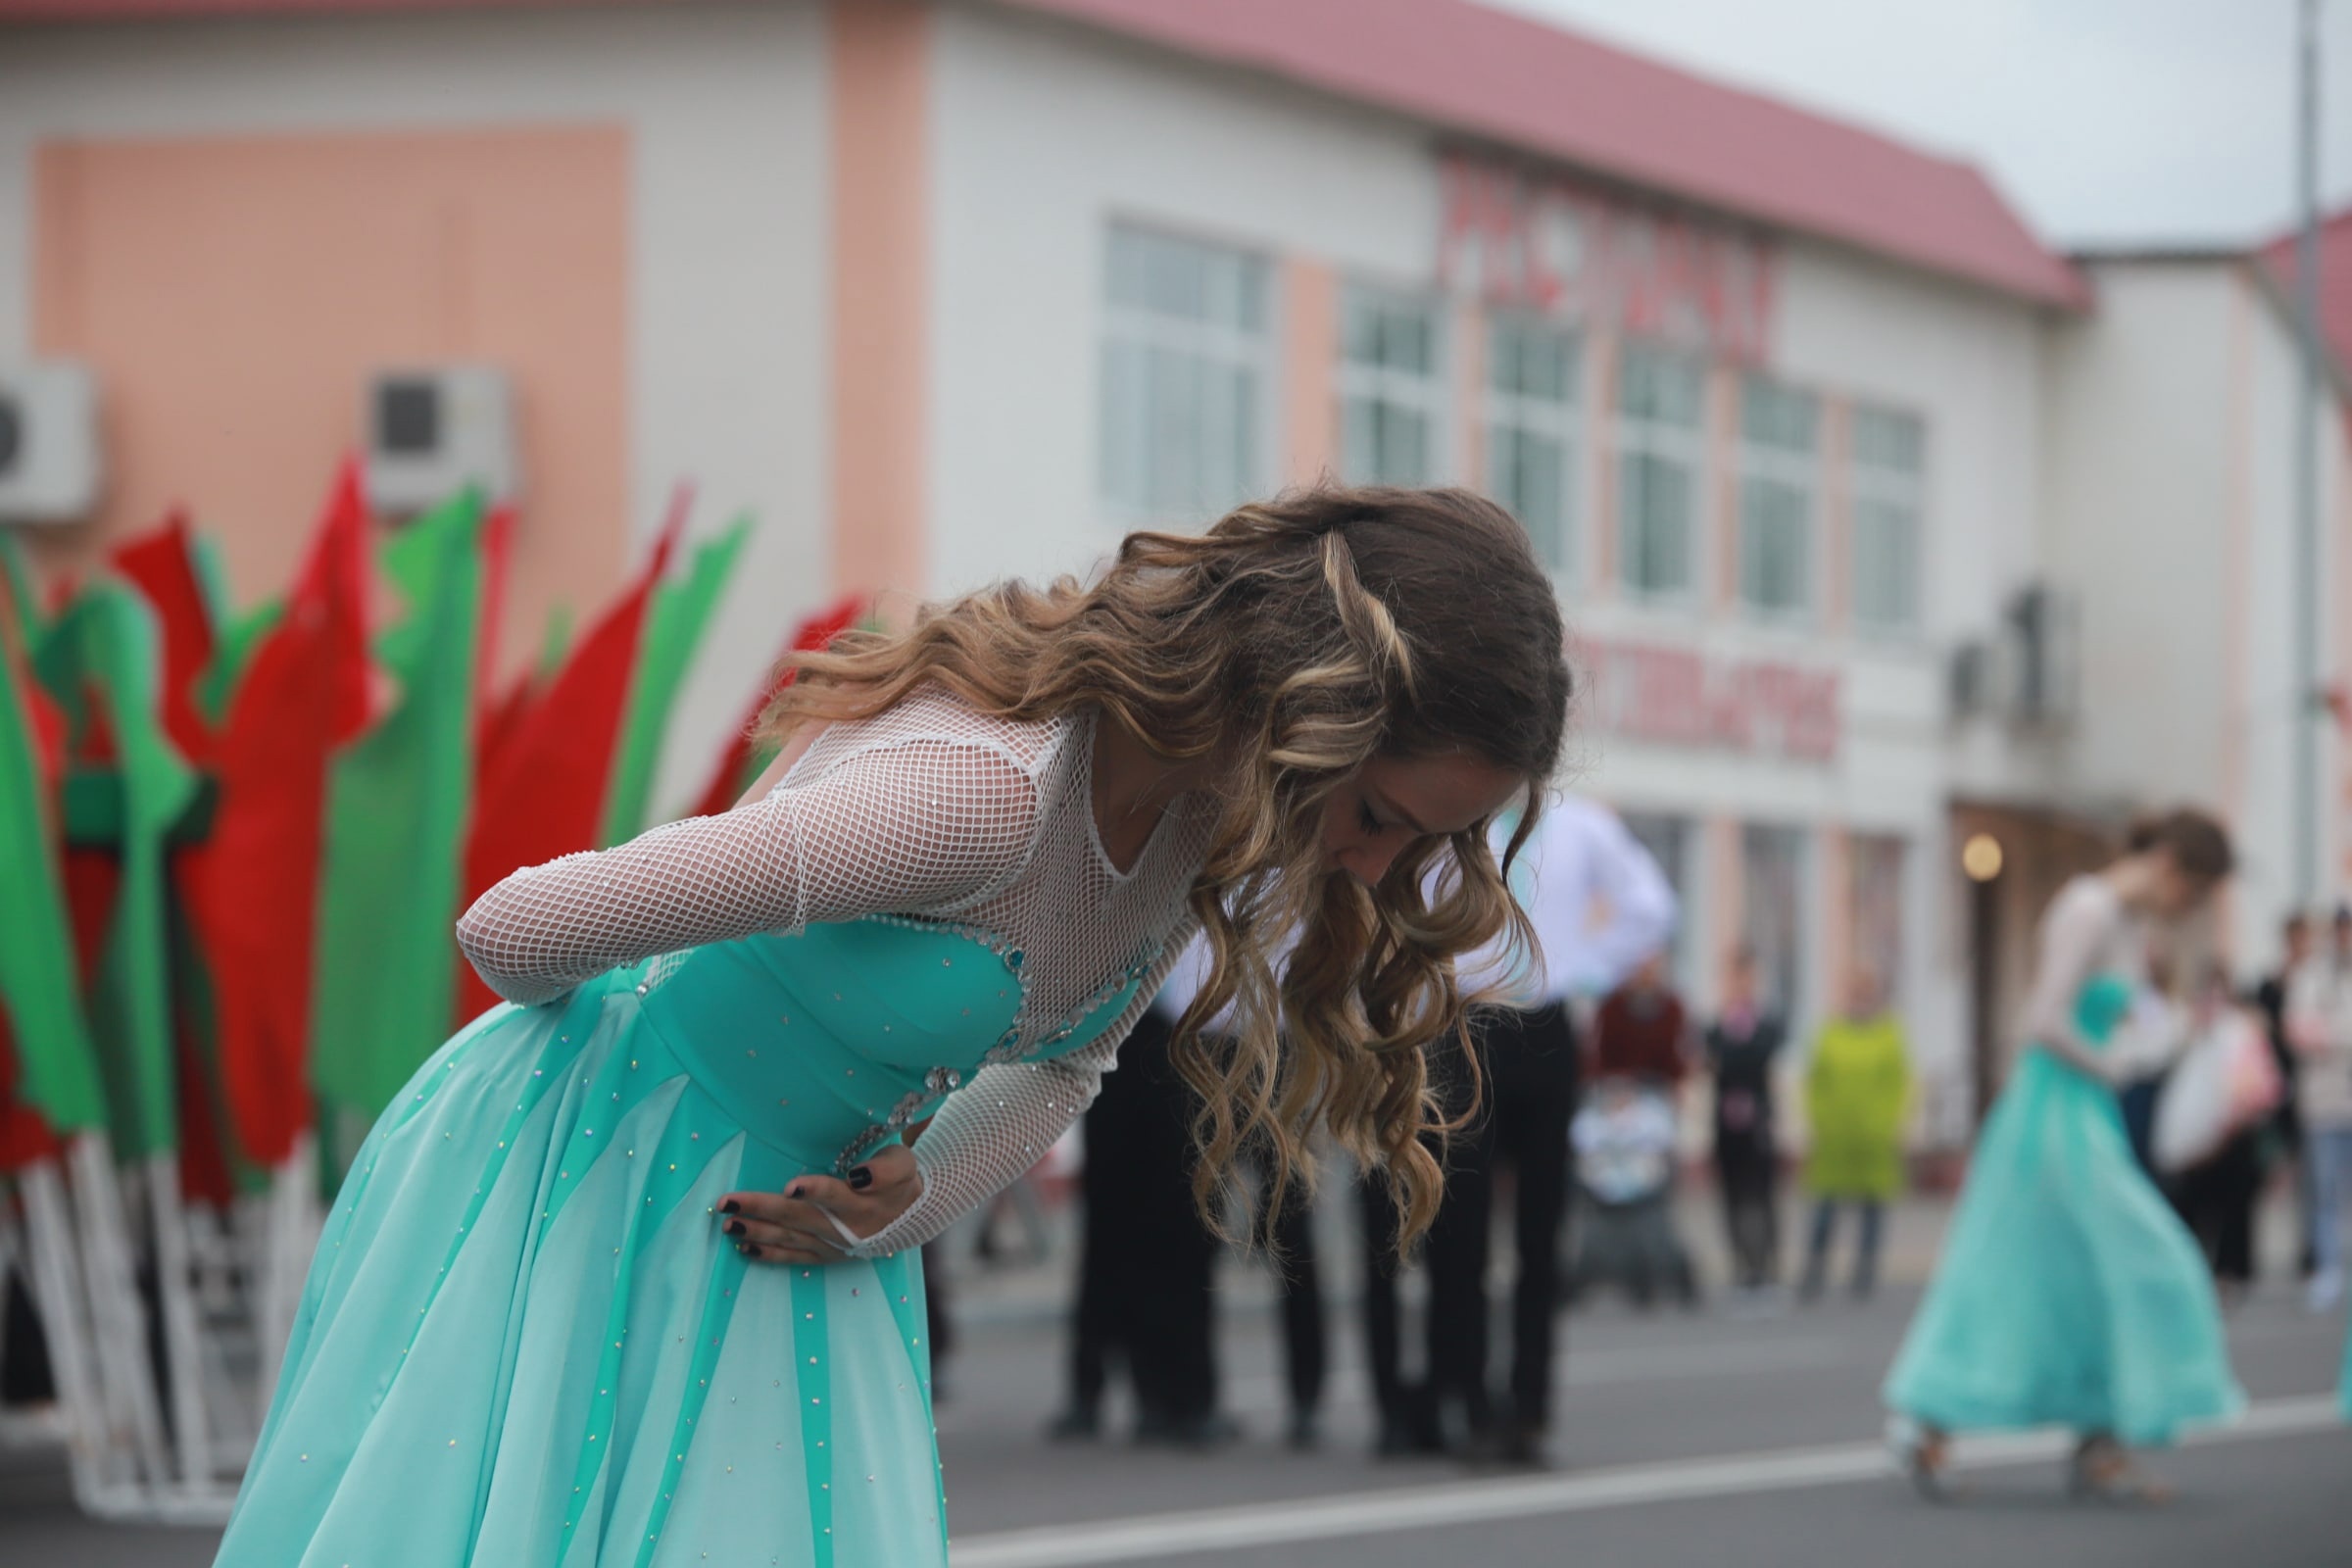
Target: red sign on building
[[1678, 697], [1546, 242]]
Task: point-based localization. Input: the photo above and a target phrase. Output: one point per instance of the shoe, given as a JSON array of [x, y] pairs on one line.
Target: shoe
[[2102, 1472], [1924, 1456], [1074, 1426], [1514, 1444], [1402, 1437]]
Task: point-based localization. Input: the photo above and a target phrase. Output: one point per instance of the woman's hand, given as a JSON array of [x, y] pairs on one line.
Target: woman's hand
[[792, 1226]]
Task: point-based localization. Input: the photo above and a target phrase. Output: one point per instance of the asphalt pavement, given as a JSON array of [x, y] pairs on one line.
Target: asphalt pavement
[[1699, 1436]]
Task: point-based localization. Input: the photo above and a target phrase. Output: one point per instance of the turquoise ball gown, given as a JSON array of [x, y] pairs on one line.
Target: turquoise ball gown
[[2069, 1292], [524, 1340]]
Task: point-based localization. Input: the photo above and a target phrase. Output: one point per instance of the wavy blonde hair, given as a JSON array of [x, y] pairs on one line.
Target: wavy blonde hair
[[1293, 642]]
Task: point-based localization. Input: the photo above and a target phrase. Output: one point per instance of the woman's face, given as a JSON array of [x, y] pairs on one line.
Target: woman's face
[[2175, 893], [1391, 800]]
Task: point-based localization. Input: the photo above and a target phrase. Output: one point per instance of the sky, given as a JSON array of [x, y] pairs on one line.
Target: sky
[[2105, 122]]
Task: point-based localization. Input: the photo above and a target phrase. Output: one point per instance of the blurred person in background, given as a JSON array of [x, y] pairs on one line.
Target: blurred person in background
[[1147, 1277], [984, 841], [2213, 1182], [1857, 1097], [1643, 1030], [1146, 1258], [1626, 1147], [2320, 1027], [2144, 1052], [1744, 1047], [1598, 906], [2057, 1224], [1643, 1043], [2286, 1123]]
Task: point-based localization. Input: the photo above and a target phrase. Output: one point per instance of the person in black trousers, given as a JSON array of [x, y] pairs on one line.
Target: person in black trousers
[[1147, 1263], [1744, 1045], [1600, 906], [1529, 1058], [2286, 1123]]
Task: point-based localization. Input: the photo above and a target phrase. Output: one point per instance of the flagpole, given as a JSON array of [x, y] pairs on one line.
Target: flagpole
[[2309, 885]]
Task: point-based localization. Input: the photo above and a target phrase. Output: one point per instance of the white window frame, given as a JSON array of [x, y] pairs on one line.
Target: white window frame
[[1904, 489], [1219, 345], [1645, 435], [1767, 463], [1561, 421], [1428, 392]]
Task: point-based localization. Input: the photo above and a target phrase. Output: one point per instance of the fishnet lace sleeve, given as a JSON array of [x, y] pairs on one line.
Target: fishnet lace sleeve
[[988, 1133], [913, 826]]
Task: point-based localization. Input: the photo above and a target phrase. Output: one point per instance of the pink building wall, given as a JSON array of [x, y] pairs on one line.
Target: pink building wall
[[233, 294]]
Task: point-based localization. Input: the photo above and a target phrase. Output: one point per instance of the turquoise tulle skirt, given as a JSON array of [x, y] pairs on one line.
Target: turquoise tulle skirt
[[525, 1342], [2069, 1292]]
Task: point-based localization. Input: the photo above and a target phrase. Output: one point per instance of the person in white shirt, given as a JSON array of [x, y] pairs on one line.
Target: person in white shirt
[[1600, 906], [2319, 1025]]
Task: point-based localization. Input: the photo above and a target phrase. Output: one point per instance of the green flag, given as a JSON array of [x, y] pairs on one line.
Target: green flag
[[57, 1069], [103, 656], [239, 637], [397, 804], [680, 614], [16, 581]]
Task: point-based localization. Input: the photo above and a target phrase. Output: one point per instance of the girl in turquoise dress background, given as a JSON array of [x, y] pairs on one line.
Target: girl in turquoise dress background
[[2069, 1292], [628, 1272]]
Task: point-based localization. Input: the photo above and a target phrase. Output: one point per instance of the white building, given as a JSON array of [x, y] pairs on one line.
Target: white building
[[941, 291]]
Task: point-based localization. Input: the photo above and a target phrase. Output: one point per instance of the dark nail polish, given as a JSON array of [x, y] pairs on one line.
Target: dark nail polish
[[862, 1178], [793, 1193], [735, 1227], [730, 1206]]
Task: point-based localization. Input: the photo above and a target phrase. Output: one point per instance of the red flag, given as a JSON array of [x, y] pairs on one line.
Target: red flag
[[162, 566], [727, 781], [253, 887], [543, 787]]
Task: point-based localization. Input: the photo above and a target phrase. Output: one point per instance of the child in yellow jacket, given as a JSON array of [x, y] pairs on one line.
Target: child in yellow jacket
[[1857, 1093]]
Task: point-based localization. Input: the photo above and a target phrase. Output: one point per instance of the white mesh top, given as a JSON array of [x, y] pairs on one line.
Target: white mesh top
[[929, 810]]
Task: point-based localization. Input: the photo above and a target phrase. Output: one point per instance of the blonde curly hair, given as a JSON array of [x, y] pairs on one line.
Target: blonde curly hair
[[1293, 642]]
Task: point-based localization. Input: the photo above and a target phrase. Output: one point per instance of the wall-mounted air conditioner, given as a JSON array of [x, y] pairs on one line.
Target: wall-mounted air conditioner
[[2028, 671], [434, 429], [2045, 626], [50, 464]]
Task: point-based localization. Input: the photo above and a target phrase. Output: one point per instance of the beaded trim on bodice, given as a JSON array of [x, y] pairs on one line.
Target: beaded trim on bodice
[[939, 1082]]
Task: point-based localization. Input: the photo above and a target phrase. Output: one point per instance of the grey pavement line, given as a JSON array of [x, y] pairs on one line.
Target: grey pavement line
[[1358, 1513]]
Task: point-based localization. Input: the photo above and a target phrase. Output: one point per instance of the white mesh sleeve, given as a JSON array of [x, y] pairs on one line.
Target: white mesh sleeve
[[910, 826], [988, 1133]]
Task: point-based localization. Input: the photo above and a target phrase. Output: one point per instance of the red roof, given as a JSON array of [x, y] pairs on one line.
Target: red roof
[[1524, 83], [1531, 85], [2278, 259]]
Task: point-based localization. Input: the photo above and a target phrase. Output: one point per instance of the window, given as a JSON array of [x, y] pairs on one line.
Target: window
[[1668, 839], [1186, 368], [1533, 410], [1659, 449], [1778, 467], [1890, 456], [1392, 397], [1772, 883], [1873, 911]]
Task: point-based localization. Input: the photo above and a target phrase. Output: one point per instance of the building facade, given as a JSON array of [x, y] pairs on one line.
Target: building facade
[[941, 292]]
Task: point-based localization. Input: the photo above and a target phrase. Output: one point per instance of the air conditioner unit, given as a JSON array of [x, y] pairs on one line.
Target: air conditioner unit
[[434, 429], [50, 468], [1980, 678], [2044, 625]]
